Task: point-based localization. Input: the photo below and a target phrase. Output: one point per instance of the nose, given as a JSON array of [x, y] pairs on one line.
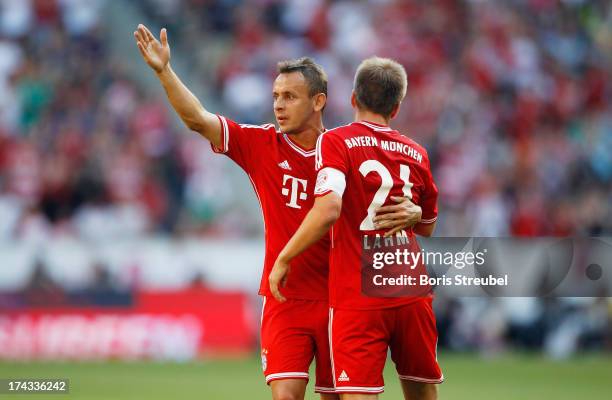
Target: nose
[[279, 105]]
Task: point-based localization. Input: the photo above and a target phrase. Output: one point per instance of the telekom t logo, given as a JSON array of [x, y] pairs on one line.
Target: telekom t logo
[[296, 189]]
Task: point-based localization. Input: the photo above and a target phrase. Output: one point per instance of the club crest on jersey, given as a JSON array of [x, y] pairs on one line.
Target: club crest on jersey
[[296, 190], [322, 178]]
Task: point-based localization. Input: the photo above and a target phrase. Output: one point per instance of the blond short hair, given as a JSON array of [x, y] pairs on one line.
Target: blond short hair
[[380, 85]]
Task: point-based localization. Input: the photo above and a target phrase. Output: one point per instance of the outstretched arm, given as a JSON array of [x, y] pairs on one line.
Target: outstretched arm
[[156, 53]]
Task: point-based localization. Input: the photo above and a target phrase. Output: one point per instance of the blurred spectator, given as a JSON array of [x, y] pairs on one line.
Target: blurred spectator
[[512, 99], [42, 291]]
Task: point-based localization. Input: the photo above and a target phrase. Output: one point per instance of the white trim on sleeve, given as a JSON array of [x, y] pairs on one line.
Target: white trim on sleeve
[[224, 137]]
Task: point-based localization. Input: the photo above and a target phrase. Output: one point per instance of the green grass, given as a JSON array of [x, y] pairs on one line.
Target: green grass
[[521, 377]]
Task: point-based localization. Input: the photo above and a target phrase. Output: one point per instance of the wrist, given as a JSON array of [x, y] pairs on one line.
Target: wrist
[[283, 258], [164, 71]]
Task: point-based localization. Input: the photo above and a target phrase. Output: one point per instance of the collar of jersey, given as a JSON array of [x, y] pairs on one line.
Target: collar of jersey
[[375, 126], [298, 148]]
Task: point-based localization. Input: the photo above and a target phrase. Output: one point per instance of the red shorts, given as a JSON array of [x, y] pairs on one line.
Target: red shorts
[[292, 334], [360, 339]]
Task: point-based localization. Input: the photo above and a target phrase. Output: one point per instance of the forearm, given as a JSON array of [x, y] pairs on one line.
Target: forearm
[[313, 228], [188, 107], [317, 223]]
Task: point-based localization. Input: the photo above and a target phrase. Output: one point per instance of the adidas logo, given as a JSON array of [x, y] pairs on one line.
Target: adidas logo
[[343, 377], [285, 165]]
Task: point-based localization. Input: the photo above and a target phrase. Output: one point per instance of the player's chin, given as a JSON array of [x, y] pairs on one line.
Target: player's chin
[[287, 128]]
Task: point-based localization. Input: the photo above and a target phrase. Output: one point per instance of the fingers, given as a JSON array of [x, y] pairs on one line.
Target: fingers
[[403, 203], [392, 231], [389, 216], [146, 33], [391, 223], [400, 199], [276, 292], [390, 212], [388, 209], [142, 50], [395, 217], [139, 38], [163, 36], [142, 35], [275, 278]]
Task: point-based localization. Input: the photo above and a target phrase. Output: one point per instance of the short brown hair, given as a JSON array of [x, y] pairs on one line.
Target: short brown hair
[[313, 73], [380, 85]]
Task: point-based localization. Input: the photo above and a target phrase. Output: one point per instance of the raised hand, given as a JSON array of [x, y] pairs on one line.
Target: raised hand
[[154, 52]]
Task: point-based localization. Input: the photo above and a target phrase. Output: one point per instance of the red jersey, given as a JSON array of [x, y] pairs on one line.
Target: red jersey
[[377, 162], [283, 175]]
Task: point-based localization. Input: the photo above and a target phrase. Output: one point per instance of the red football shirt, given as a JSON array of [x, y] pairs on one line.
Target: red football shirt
[[283, 175], [377, 163]]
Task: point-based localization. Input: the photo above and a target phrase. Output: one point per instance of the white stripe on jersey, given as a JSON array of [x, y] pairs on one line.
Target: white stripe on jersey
[[318, 156]]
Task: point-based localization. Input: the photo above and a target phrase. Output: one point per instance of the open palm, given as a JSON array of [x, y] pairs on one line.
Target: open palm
[[154, 52]]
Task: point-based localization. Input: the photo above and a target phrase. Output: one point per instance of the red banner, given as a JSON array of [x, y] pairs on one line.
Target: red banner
[[161, 325]]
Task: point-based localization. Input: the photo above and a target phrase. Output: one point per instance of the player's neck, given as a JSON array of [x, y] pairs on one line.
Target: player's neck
[[371, 117], [307, 139]]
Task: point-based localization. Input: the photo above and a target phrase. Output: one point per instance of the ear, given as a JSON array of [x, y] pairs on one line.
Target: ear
[[354, 100], [319, 101], [395, 110]]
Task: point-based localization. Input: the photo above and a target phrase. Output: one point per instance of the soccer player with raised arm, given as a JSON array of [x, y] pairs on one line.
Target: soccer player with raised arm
[[281, 167], [360, 165]]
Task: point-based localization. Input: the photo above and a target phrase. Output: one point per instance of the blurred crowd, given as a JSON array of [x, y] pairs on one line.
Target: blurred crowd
[[512, 99]]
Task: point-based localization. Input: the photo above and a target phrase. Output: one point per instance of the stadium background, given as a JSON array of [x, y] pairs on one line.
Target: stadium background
[[123, 238]]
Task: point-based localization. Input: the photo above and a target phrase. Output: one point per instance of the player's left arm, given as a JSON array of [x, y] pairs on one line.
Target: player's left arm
[[323, 214]]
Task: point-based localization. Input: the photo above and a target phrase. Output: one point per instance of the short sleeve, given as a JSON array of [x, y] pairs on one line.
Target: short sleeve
[[331, 153], [240, 142], [429, 199]]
